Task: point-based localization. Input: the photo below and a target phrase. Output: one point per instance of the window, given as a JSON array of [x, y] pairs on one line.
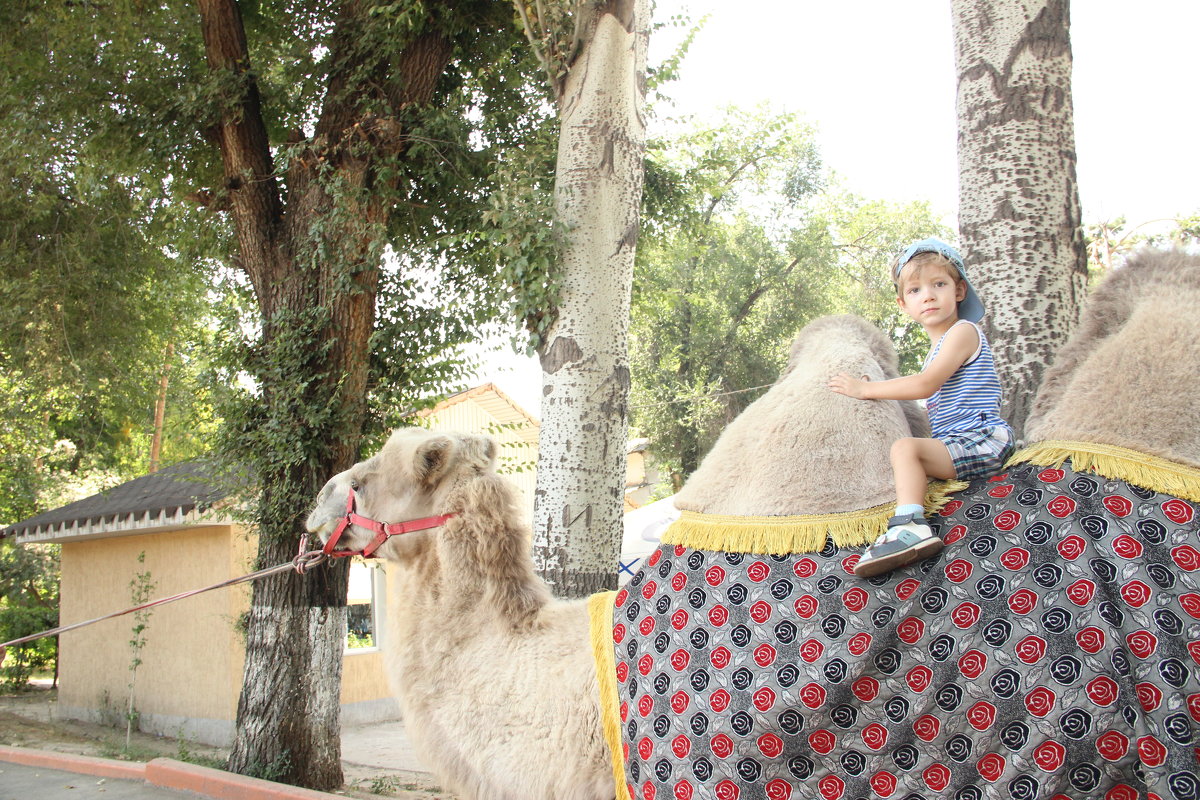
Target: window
[[364, 603]]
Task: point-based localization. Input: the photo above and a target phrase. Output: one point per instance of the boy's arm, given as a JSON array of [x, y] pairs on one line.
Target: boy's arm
[[961, 343]]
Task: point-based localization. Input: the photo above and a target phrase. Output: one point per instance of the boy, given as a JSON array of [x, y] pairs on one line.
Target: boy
[[963, 400]]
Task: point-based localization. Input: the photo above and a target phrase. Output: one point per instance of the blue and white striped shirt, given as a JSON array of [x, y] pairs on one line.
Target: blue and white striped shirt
[[970, 399]]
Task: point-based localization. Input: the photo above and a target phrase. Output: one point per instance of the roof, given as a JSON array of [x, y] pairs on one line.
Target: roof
[[171, 497], [495, 402]]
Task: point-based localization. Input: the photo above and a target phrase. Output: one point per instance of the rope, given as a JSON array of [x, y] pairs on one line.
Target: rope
[[301, 563]]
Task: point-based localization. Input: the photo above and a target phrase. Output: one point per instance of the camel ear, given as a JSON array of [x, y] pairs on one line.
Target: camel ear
[[432, 459]]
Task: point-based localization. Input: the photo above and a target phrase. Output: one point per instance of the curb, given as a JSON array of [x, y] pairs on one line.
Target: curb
[[168, 774]]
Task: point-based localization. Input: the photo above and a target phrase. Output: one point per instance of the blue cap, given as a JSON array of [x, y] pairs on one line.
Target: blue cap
[[970, 307]]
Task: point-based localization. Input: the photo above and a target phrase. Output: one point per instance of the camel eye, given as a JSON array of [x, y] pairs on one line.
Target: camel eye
[[355, 485]]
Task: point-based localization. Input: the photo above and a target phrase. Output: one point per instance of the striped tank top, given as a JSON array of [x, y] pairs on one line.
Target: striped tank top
[[970, 399]]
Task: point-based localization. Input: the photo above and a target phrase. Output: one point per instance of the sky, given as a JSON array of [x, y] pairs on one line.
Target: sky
[[876, 79]]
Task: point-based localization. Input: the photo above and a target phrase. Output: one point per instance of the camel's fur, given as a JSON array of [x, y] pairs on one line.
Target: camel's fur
[[495, 679], [1124, 377], [802, 448]]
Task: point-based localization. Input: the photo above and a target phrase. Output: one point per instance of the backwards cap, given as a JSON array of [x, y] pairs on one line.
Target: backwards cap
[[970, 307]]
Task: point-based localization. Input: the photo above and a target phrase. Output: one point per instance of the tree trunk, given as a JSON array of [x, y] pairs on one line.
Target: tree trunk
[[1019, 215], [585, 363]]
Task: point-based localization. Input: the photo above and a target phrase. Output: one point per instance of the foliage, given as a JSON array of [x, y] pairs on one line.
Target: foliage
[[141, 587], [28, 605], [1110, 242]]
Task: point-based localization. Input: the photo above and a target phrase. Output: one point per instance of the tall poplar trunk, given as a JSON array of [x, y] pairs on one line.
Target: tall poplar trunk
[[1019, 215], [585, 363]]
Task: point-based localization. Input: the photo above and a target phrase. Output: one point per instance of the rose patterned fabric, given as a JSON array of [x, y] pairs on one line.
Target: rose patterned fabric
[[1051, 651]]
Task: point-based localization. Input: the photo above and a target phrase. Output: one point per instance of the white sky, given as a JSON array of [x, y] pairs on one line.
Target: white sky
[[876, 78]]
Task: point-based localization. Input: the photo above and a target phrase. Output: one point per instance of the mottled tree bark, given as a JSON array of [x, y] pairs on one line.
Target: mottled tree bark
[[1019, 215], [585, 363]]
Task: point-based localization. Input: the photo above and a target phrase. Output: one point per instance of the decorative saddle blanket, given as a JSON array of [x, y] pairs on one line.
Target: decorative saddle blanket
[[1052, 650]]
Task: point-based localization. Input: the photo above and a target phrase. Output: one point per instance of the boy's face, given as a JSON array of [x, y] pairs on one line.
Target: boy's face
[[930, 294]]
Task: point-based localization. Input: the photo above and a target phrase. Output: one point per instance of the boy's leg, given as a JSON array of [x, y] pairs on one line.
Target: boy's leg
[[914, 462]]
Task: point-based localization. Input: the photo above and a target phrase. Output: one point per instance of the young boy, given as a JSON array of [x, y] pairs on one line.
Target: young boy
[[963, 400]]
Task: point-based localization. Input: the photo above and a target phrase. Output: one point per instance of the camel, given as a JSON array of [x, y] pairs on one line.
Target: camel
[[494, 678]]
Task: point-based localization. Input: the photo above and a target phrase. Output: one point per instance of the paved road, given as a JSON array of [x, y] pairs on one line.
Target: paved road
[[19, 782]]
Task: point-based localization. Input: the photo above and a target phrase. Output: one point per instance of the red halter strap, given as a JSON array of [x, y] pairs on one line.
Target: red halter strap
[[383, 530]]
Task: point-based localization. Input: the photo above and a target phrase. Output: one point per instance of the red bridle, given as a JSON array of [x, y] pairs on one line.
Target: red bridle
[[383, 530]]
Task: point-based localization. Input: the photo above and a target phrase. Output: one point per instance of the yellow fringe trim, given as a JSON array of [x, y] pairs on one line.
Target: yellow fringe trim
[[600, 619], [1110, 461], [803, 533]]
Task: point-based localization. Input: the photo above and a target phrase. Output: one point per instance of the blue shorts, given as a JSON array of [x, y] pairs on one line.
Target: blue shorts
[[979, 453]]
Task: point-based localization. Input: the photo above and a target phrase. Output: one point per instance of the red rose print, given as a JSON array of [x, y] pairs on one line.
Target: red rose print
[[822, 741], [622, 672], [645, 748], [1177, 511], [805, 568], [760, 612], [1118, 505], [1142, 643], [721, 746], [764, 655], [683, 791], [1194, 651], [645, 705], [858, 643], [972, 664], [714, 575], [954, 534], [646, 626], [811, 650], [910, 630], [1090, 640], [1051, 475], [778, 789], [990, 767], [679, 619], [1081, 591], [958, 570], [727, 790], [1049, 756], [622, 596], [758, 572], [1122, 791], [926, 727], [1135, 593], [645, 664], [855, 599], [906, 587], [981, 716], [718, 701], [1193, 705], [1014, 558], [1072, 547], [883, 783], [919, 678], [619, 633], [649, 589], [680, 702], [655, 557], [1022, 601], [812, 695], [1186, 557], [678, 581], [1112, 746], [865, 688], [951, 507], [1003, 490], [1151, 751], [764, 699], [681, 746], [848, 563], [1127, 547], [875, 736], [718, 615], [1191, 604], [1006, 520], [1061, 506], [625, 718], [680, 550], [720, 657], [1040, 701], [1031, 649], [806, 606], [770, 745], [936, 777], [831, 787], [965, 615], [997, 478], [1102, 691], [648, 791], [680, 659], [1149, 695]]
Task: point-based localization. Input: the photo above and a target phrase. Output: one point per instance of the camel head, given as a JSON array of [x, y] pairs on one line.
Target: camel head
[[1123, 378], [413, 476], [802, 448]]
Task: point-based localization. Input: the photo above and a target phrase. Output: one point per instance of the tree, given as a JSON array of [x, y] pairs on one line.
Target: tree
[[28, 605], [594, 57], [1019, 217]]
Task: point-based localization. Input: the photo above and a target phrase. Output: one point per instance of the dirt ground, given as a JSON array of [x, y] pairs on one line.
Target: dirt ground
[[26, 720]]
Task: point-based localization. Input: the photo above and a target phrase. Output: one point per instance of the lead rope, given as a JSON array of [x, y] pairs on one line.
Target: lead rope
[[302, 563]]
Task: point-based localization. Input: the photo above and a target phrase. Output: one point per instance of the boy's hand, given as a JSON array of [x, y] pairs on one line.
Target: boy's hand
[[851, 387]]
